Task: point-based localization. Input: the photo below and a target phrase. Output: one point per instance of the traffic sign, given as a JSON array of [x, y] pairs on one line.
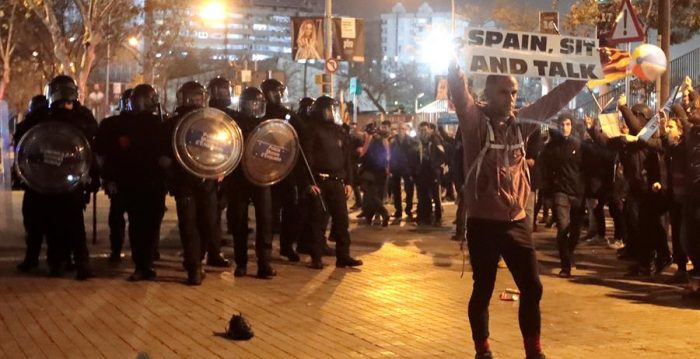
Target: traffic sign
[[627, 26], [355, 88], [332, 65], [549, 22]]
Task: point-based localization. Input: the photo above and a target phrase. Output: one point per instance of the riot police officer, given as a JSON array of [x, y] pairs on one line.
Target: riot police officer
[[62, 213], [219, 90], [137, 178], [328, 153], [106, 148], [240, 192], [195, 197], [34, 228], [285, 203]]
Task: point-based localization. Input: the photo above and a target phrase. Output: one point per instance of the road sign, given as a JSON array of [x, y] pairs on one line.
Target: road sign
[[354, 88], [246, 76], [627, 27], [549, 22], [332, 65]]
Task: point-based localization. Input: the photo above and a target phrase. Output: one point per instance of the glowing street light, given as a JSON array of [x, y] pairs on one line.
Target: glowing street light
[[420, 95], [214, 12], [133, 41], [437, 49]]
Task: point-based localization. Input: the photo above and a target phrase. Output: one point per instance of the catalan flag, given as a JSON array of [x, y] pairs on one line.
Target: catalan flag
[[615, 66]]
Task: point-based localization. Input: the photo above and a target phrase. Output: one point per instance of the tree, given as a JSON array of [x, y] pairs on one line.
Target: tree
[[78, 28], [8, 22], [590, 12]]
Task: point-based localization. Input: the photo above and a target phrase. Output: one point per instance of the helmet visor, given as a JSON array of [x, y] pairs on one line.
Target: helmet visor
[[253, 108]]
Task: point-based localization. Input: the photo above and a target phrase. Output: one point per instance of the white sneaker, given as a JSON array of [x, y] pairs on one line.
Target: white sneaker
[[615, 243]]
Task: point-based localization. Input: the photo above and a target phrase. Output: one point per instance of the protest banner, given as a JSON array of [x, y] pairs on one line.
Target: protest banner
[[517, 53]]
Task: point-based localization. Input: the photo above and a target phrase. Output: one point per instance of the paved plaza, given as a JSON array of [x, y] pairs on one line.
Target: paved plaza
[[408, 300]]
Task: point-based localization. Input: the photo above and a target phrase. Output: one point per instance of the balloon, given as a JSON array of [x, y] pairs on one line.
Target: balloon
[[648, 62]]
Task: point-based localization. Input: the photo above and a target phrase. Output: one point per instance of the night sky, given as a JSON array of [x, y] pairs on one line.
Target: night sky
[[372, 8]]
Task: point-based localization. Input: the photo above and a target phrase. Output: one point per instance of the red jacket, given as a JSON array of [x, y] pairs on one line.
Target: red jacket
[[498, 190]]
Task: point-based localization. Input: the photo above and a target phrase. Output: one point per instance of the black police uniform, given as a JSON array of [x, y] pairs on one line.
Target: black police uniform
[[328, 152], [139, 183], [240, 193], [62, 214], [107, 147], [195, 199]]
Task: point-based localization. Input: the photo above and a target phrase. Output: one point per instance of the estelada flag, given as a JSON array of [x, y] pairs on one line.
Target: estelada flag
[[615, 66]]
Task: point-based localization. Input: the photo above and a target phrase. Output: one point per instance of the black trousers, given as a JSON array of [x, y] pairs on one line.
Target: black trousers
[[35, 226], [395, 187], [645, 228], [240, 194], [333, 195], [487, 241], [428, 189], [679, 256], [65, 228], [285, 200], [374, 186], [196, 219], [691, 230], [116, 221], [568, 213], [144, 209]]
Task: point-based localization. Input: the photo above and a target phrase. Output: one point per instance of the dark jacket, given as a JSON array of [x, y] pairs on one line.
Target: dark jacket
[[328, 151], [376, 159], [401, 151], [563, 162], [430, 157]]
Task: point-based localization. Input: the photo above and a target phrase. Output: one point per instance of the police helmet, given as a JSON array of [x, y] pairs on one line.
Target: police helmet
[[144, 98], [305, 105], [325, 109], [38, 102], [273, 90], [61, 89], [219, 90], [252, 102], [192, 93]]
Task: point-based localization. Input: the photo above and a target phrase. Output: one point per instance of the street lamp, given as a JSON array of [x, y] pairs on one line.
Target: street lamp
[[214, 13], [420, 95]]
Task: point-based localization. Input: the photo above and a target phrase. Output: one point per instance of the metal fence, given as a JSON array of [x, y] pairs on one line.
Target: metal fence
[[686, 65]]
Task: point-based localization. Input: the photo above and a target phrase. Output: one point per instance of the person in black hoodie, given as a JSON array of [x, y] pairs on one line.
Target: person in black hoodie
[[431, 157], [374, 168], [62, 213], [563, 160]]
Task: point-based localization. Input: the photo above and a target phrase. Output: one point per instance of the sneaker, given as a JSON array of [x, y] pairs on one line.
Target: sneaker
[[217, 261], [596, 240], [565, 273], [291, 255], [615, 243]]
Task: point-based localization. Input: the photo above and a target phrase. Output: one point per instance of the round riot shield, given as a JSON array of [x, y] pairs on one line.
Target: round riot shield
[[208, 143], [271, 152], [53, 157]]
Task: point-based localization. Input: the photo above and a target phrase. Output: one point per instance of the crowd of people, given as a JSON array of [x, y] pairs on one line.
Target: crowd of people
[[503, 166]]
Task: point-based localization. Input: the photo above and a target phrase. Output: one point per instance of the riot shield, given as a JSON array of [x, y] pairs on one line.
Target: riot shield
[[53, 157], [208, 143], [271, 152]]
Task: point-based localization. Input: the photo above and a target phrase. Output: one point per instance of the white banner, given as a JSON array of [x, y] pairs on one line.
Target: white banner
[[491, 51], [610, 124]]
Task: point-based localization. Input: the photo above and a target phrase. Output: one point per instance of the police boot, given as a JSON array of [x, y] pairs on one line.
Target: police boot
[[316, 264], [265, 271], [217, 261], [195, 276], [240, 271], [291, 255], [83, 272], [347, 262], [142, 274], [27, 265], [485, 355]]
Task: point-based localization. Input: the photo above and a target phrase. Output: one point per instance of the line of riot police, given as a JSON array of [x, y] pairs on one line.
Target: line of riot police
[[141, 157]]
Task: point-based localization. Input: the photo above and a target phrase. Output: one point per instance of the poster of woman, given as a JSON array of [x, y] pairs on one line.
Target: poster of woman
[[307, 38]]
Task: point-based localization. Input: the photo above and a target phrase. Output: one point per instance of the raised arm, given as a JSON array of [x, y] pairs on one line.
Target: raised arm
[[549, 104], [635, 124], [459, 94]]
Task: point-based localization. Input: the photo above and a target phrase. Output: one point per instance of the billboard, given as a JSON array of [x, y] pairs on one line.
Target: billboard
[[307, 38], [349, 39]]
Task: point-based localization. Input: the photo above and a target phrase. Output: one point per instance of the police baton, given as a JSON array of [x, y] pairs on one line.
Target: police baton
[[313, 180], [94, 217]]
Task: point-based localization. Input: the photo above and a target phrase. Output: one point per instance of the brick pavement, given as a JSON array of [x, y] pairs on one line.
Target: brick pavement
[[408, 300]]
